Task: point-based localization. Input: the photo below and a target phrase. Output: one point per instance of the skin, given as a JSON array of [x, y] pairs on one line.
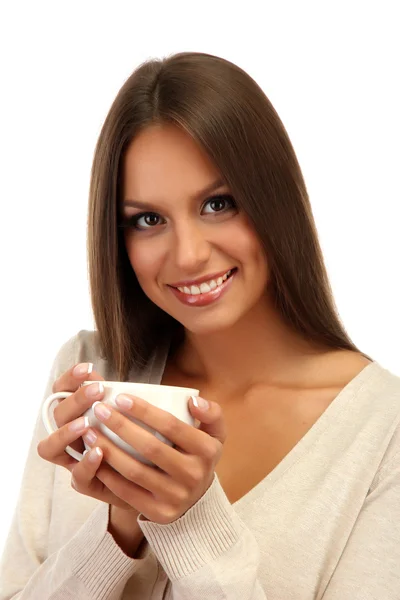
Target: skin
[[166, 171], [162, 495], [164, 168]]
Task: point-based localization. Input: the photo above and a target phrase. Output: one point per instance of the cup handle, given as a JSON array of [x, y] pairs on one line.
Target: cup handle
[[51, 425]]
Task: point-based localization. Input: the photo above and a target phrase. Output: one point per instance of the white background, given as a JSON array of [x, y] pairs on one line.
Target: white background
[[331, 71]]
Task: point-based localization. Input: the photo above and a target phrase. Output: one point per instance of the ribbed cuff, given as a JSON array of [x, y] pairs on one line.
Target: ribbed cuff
[[96, 558], [207, 530]]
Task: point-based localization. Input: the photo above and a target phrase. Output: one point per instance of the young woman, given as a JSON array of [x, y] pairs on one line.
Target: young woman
[[206, 272]]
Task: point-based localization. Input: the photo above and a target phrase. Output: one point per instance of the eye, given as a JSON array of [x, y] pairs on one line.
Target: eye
[[141, 221], [220, 203]]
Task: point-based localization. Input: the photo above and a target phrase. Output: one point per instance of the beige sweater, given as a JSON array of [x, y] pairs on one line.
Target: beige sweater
[[325, 523]]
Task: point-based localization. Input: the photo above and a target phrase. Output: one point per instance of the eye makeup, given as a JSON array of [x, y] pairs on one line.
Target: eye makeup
[[149, 217]]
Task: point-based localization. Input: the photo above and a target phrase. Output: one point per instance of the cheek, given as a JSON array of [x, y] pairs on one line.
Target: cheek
[[252, 256], [246, 244], [145, 257]]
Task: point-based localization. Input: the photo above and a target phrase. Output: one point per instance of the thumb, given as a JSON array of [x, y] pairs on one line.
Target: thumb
[[210, 416]]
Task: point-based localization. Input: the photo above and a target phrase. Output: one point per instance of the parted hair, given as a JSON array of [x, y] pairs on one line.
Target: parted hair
[[230, 117]]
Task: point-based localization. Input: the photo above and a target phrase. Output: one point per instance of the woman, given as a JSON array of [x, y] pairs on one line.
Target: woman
[[206, 272]]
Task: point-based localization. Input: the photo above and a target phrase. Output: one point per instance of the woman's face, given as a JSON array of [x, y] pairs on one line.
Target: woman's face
[[182, 225]]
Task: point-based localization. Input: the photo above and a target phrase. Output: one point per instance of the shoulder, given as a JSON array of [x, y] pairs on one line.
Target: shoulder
[[386, 386], [84, 346], [385, 390]]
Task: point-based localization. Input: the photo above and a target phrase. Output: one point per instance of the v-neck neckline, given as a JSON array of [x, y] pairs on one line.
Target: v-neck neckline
[[349, 391]]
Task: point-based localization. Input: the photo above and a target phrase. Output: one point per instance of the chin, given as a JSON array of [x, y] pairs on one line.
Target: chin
[[207, 324], [206, 328], [224, 315]]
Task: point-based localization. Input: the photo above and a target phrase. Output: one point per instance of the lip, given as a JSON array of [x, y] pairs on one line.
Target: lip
[[207, 298], [188, 282]]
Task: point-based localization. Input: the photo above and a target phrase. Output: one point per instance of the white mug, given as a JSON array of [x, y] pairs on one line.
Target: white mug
[[169, 398]]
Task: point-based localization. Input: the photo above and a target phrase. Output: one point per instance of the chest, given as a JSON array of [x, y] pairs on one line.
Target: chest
[[262, 428], [261, 433]]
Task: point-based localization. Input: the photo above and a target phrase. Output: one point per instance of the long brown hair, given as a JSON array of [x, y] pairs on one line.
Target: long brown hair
[[229, 115]]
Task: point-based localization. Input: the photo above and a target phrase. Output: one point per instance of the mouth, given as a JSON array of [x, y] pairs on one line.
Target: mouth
[[206, 286], [207, 292]]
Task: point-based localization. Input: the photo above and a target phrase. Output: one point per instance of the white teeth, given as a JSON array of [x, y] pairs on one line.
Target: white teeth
[[205, 287]]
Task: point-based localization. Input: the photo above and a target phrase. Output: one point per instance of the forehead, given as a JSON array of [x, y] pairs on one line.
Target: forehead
[[165, 160]]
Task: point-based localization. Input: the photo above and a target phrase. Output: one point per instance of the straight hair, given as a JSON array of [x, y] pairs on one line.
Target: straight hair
[[230, 117]]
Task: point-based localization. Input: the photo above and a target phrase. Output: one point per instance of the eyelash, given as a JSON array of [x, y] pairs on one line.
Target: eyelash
[[132, 222]]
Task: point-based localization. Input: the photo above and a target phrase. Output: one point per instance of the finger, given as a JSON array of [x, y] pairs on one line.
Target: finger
[[53, 447], [126, 492], [147, 477], [74, 377], [80, 401], [85, 481], [145, 442], [210, 416], [191, 440]]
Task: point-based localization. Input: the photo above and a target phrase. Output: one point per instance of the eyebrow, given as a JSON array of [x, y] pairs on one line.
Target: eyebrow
[[204, 192]]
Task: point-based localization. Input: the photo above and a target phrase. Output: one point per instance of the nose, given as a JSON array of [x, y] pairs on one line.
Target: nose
[[191, 248]]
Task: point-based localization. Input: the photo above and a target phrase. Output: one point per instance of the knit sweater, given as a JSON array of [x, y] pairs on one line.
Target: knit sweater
[[324, 524]]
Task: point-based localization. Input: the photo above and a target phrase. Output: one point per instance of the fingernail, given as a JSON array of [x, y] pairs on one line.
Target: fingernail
[[123, 401], [82, 369], [79, 424], [90, 437], [101, 411], [94, 390], [200, 403], [94, 454]]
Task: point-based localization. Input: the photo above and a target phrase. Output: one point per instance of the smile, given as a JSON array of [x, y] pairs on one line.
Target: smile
[[206, 292], [206, 286]]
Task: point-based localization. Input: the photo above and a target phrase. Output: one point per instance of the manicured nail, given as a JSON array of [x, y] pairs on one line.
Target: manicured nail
[[94, 454], [200, 403], [101, 411], [123, 401], [90, 437], [82, 369], [94, 390], [79, 424]]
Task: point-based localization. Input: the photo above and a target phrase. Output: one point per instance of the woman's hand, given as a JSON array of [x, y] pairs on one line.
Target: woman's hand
[[66, 414], [184, 472]]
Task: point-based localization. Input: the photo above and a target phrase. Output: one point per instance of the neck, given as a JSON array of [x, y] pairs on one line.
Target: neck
[[260, 348]]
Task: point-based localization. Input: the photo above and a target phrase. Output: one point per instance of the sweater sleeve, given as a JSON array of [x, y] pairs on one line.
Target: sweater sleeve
[[369, 565], [91, 566], [208, 552]]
